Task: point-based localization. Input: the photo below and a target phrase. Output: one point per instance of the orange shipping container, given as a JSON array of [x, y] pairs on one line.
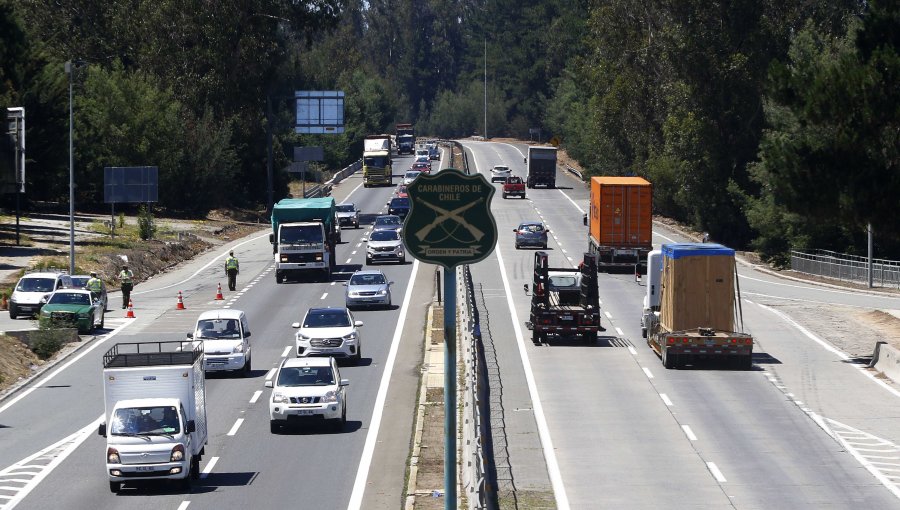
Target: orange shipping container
[[621, 212]]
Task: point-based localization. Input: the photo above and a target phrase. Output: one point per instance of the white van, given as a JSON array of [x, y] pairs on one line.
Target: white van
[[225, 335]]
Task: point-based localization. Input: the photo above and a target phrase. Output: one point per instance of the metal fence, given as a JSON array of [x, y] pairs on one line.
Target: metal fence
[[841, 266], [324, 189]]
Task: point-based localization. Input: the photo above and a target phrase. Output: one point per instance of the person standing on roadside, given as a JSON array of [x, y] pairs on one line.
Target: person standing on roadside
[[232, 268], [95, 285], [126, 277]]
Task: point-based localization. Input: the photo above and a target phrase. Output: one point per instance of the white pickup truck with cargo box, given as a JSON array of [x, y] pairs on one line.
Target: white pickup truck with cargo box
[[155, 413]]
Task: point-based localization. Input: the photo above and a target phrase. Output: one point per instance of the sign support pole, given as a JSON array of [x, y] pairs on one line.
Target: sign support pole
[[450, 388]]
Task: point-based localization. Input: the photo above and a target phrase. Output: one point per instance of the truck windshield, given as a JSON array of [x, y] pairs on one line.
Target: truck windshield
[[301, 235], [375, 161], [145, 421]]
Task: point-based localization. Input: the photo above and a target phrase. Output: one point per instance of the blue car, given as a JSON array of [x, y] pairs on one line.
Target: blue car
[[531, 233], [398, 207]]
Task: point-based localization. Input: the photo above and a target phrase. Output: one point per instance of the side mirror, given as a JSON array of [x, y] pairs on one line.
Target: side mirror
[[102, 430], [190, 335], [344, 284], [516, 231], [190, 427], [526, 288], [295, 325], [247, 334], [390, 283], [345, 382], [270, 384], [585, 218], [525, 160], [358, 324]]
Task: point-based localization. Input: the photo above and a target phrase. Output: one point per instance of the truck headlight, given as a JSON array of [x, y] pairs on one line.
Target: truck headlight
[[329, 397], [278, 398], [112, 456], [177, 453], [284, 258]]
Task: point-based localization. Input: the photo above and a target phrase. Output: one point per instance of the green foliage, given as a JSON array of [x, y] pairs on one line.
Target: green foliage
[[121, 220], [146, 224], [47, 340]]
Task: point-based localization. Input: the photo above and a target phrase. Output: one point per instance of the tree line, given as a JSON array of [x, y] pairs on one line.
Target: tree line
[[769, 124]]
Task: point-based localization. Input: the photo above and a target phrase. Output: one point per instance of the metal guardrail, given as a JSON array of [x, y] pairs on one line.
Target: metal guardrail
[[845, 267], [324, 189]]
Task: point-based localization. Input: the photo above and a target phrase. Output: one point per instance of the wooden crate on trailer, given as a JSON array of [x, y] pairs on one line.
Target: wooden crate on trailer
[[697, 287]]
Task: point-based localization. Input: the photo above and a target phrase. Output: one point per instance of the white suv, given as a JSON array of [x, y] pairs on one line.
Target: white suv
[[307, 389], [28, 296], [329, 332]]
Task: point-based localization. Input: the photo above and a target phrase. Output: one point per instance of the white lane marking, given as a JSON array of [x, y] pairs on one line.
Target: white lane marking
[[324, 296], [666, 400], [362, 473], [570, 200], [664, 237], [812, 287], [715, 472], [235, 427], [270, 374], [209, 467], [287, 350], [800, 300], [332, 284], [41, 381], [353, 252], [46, 460], [348, 261], [619, 332], [556, 481], [255, 396], [688, 432], [211, 262], [647, 372], [184, 505], [632, 351], [608, 315]]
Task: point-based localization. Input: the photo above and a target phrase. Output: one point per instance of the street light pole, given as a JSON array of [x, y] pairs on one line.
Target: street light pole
[[70, 70]]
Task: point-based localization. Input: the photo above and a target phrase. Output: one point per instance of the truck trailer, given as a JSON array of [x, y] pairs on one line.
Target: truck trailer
[[541, 165], [304, 236], [377, 163], [692, 309], [621, 222], [406, 138], [155, 412], [564, 301]]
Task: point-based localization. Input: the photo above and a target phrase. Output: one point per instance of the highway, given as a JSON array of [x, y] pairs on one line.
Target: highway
[[589, 426], [244, 464], [626, 433]]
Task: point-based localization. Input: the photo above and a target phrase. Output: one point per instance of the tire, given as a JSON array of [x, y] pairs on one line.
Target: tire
[[537, 338], [544, 246], [643, 332], [403, 260], [337, 424], [518, 247], [368, 260], [279, 278], [102, 320], [668, 361], [274, 427], [195, 467], [746, 362], [115, 487], [358, 357], [185, 483], [590, 337], [504, 196], [13, 314], [247, 370]]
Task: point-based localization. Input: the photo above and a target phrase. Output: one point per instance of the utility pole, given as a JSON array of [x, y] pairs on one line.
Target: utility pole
[[70, 70], [871, 249], [485, 88]]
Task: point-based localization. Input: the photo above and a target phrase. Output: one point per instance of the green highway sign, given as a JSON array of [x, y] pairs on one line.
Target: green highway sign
[[450, 220]]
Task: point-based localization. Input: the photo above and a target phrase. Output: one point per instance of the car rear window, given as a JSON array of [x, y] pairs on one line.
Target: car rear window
[[367, 279]]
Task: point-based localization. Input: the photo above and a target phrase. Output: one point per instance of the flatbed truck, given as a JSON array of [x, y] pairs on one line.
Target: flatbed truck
[[564, 301]]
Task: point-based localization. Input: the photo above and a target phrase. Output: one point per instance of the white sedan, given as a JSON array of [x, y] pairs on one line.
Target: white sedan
[[307, 390], [500, 173], [410, 176]]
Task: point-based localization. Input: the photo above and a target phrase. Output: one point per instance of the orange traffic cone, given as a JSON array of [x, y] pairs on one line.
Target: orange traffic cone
[[129, 314], [180, 305], [219, 295]]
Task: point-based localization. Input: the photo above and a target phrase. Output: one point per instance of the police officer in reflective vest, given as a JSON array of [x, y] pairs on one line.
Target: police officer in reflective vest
[[232, 268], [95, 285], [127, 279]]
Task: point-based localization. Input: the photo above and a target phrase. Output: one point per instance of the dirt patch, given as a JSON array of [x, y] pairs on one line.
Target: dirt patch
[[16, 361]]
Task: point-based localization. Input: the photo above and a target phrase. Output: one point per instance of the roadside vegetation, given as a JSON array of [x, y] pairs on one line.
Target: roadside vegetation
[[771, 125]]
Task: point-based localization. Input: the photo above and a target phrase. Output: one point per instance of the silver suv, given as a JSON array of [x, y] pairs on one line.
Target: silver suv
[[29, 294]]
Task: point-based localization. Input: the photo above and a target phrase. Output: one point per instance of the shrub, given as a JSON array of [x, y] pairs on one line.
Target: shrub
[[146, 226], [47, 341]]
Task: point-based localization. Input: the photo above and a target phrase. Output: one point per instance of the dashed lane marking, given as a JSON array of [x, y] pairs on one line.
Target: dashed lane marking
[[647, 372], [184, 505], [270, 374], [209, 467], [620, 332], [715, 472], [666, 400], [688, 432], [324, 296], [255, 397], [235, 427], [287, 350]]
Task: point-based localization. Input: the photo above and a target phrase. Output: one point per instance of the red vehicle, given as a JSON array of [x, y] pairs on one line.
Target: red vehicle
[[422, 166], [401, 191], [514, 186]]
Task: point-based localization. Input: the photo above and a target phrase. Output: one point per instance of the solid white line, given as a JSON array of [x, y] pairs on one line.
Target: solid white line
[[647, 372], [209, 467], [570, 200], [184, 505], [255, 396], [556, 481], [715, 472], [608, 315], [235, 427], [324, 296], [619, 332], [270, 374], [664, 237], [666, 400], [811, 287], [44, 380], [362, 473], [287, 350], [632, 351], [828, 347], [688, 432]]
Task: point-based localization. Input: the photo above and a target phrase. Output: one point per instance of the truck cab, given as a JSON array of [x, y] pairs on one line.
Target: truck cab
[[650, 313]]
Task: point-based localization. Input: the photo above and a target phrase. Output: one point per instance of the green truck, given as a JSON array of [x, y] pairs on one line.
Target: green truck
[[304, 235]]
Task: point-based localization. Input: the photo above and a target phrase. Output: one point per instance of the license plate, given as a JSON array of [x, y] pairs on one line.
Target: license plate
[[566, 317], [144, 468], [304, 412], [710, 341]]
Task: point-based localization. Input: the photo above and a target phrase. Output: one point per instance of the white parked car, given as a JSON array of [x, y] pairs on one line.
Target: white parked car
[[28, 296], [328, 332], [500, 173], [307, 390], [226, 340], [410, 176]]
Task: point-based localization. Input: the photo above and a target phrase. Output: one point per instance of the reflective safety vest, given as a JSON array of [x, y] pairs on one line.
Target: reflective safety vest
[[126, 276], [94, 284], [231, 263]]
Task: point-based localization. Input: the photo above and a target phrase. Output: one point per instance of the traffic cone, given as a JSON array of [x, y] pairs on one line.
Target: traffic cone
[[219, 295], [180, 305], [129, 314]]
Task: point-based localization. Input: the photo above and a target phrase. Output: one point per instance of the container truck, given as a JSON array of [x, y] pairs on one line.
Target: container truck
[[377, 164], [406, 139], [564, 301], [155, 412], [692, 309], [541, 164], [304, 235], [621, 222]]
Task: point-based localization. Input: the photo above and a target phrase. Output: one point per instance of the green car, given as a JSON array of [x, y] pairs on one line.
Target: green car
[[72, 308]]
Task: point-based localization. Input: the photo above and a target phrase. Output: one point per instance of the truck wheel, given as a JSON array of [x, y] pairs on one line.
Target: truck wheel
[[247, 368], [746, 362], [668, 361], [278, 277], [195, 467], [589, 337], [115, 487]]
